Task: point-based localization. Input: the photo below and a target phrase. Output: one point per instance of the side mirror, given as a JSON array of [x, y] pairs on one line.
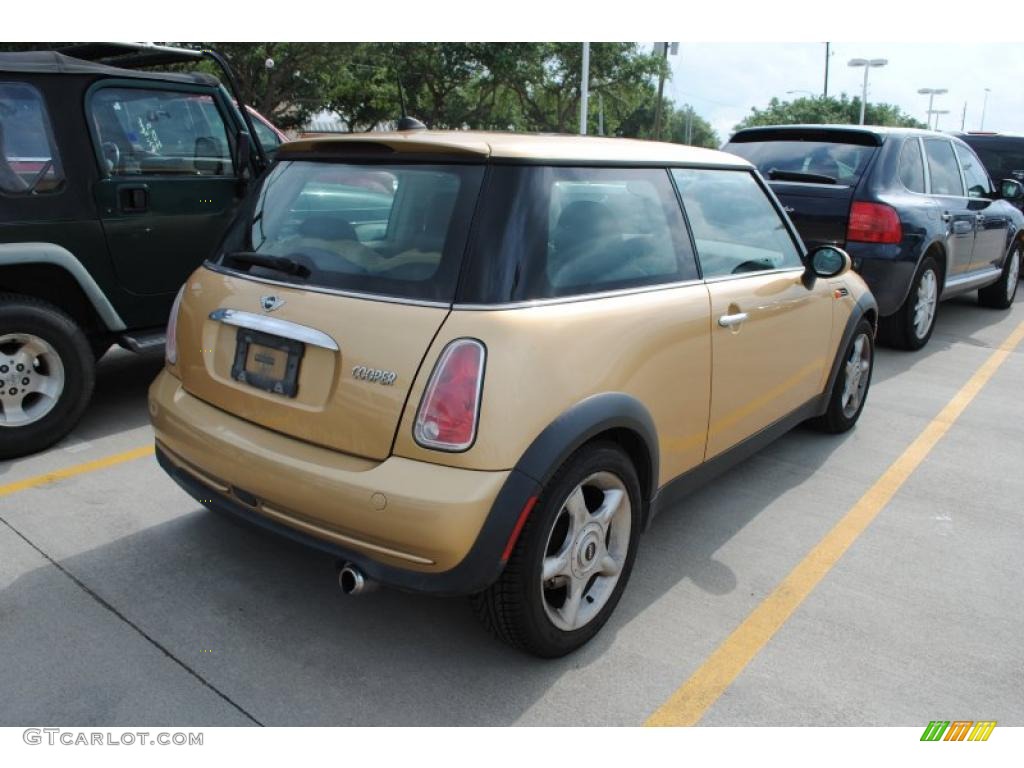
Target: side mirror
[[1011, 189], [827, 261]]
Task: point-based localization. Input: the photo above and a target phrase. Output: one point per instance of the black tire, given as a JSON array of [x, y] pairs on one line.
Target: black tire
[[836, 419], [1000, 294], [24, 314], [898, 329], [513, 607]]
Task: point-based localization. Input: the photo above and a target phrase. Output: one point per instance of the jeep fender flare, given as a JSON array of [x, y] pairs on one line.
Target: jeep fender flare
[[49, 253]]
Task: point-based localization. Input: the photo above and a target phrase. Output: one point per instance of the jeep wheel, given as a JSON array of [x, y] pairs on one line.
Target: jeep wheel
[[573, 557], [912, 324], [46, 375], [1000, 294]]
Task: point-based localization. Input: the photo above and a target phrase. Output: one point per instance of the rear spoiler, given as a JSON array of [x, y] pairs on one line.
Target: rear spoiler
[[844, 135], [139, 55]]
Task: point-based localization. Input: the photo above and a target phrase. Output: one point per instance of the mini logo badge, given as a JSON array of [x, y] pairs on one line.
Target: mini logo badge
[[270, 303]]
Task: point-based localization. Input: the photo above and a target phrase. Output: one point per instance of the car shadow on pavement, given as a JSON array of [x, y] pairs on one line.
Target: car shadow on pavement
[[973, 326], [119, 400], [291, 649]]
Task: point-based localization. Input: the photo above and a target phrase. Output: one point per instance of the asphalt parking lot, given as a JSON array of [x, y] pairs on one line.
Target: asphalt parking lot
[[124, 602]]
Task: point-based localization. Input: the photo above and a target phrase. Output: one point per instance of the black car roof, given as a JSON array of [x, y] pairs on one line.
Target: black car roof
[[875, 134], [51, 62]]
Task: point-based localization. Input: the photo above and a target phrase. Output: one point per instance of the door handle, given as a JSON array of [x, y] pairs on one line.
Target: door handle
[[133, 199], [730, 321], [947, 217], [962, 227]]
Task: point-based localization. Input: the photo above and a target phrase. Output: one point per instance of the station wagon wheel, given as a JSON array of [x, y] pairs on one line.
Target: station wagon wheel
[[586, 550], [47, 373], [572, 559]]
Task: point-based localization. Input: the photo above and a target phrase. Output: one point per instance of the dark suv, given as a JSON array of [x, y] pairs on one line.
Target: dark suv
[[916, 211], [1002, 154], [114, 185]]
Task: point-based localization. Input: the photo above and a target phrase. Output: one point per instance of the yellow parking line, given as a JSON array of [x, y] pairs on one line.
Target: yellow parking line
[[78, 469], [689, 703]]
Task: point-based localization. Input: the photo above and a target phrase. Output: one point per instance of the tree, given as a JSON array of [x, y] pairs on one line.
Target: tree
[[840, 110]]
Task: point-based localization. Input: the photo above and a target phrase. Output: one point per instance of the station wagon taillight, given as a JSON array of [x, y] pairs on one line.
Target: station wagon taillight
[[448, 412], [171, 348], [873, 223]]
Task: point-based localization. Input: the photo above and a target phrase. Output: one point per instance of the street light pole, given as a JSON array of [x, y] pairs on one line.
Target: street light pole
[[867, 64], [828, 53], [584, 89], [938, 112], [931, 93], [984, 104]]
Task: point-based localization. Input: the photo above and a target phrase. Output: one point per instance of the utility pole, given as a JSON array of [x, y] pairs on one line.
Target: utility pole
[[828, 53], [584, 89], [661, 85]]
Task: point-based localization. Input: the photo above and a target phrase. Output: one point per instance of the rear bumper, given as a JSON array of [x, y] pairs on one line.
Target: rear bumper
[[409, 524]]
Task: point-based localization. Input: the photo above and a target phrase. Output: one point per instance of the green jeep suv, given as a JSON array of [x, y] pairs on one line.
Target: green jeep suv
[[115, 184]]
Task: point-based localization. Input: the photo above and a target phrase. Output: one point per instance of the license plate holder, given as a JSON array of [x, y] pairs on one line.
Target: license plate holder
[[267, 362]]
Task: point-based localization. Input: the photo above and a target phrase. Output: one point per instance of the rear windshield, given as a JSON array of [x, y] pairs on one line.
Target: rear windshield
[[1002, 157], [821, 161], [393, 230]]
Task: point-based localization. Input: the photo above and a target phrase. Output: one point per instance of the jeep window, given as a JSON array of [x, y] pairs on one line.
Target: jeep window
[[735, 226], [548, 232], [978, 184], [388, 229], [912, 166], [942, 168], [143, 132], [29, 162]]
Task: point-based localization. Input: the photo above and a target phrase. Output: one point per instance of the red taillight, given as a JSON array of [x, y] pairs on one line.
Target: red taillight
[[172, 329], [873, 223], [448, 411]]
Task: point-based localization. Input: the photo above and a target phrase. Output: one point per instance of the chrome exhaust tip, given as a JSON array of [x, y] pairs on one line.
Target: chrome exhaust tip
[[353, 582]]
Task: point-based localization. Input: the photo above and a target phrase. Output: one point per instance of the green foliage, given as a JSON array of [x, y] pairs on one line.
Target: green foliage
[[835, 110], [497, 86]]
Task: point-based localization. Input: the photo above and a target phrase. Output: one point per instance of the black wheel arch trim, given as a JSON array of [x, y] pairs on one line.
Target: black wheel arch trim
[[866, 303]]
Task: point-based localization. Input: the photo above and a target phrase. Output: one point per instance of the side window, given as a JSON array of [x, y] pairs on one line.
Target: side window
[[29, 162], [609, 228], [911, 166], [735, 226], [145, 132], [978, 184], [942, 168]]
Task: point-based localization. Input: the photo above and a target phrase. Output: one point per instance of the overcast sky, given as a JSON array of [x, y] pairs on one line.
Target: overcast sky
[[724, 80]]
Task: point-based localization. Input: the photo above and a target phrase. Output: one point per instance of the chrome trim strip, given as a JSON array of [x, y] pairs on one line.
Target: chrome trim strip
[[332, 291], [971, 280], [527, 304], [275, 326]]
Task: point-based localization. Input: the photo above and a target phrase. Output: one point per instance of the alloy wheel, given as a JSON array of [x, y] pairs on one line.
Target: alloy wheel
[[924, 307], [31, 379], [1013, 275], [857, 372], [586, 551]]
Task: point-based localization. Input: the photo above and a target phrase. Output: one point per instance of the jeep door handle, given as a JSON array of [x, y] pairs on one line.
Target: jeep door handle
[[729, 321]]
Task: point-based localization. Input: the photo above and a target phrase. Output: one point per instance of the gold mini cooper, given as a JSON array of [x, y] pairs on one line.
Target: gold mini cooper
[[472, 363]]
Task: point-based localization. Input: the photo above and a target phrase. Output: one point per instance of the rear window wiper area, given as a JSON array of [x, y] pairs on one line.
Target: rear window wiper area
[[812, 178], [246, 259]]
